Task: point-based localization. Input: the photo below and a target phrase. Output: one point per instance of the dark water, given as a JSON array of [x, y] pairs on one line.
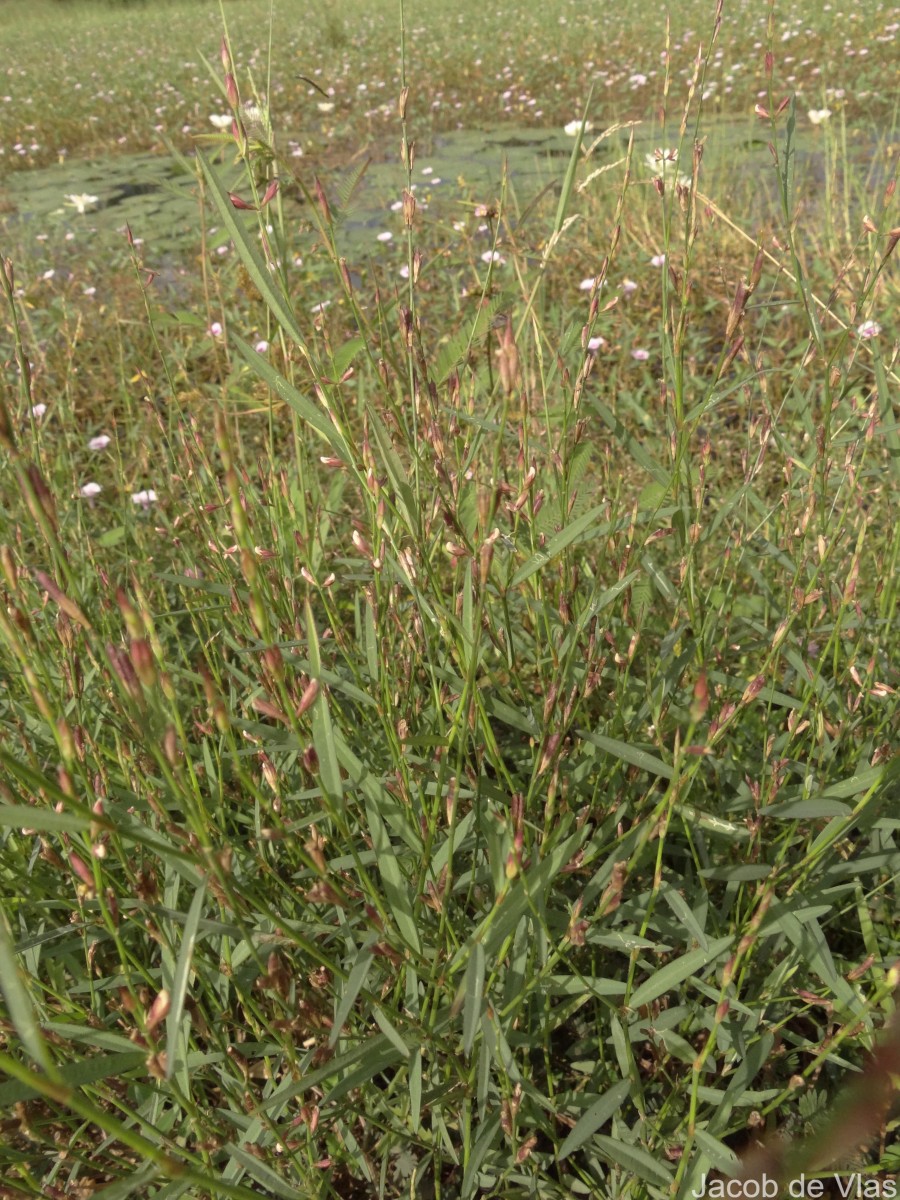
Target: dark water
[[158, 197]]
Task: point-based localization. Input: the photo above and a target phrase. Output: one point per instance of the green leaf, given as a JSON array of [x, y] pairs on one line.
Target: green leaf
[[722, 1157], [560, 541], [355, 981], [323, 735], [401, 491], [43, 819], [628, 753], [133, 1182], [344, 356], [396, 890], [743, 873], [810, 941], [271, 1180], [302, 405], [598, 602], [181, 976], [456, 349], [684, 913], [276, 302], [636, 1159], [856, 784], [598, 1114], [18, 1002], [391, 1032], [474, 988], [569, 182], [641, 456], [808, 810], [483, 1143], [375, 1060], [112, 537], [80, 1073], [415, 1089], [675, 972]]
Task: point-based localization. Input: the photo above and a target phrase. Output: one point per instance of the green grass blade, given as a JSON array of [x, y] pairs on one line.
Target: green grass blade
[[18, 1002], [181, 978], [275, 300], [676, 972], [598, 1114], [474, 989]]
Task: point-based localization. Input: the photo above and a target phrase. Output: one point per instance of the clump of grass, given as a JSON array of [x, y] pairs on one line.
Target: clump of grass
[[453, 751]]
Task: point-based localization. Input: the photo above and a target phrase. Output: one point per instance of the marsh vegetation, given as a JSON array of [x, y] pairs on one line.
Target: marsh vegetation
[[449, 640]]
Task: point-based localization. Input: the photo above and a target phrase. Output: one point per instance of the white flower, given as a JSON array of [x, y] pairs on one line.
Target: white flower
[[100, 442], [640, 355], [664, 165], [387, 236], [221, 120], [818, 115], [658, 260], [38, 410], [587, 285], [82, 201], [144, 498], [595, 343], [325, 106], [574, 127], [256, 120], [261, 346], [215, 330], [90, 490], [869, 329], [492, 256], [628, 286]]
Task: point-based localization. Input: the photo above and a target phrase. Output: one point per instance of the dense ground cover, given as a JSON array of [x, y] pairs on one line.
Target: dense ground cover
[[448, 681]]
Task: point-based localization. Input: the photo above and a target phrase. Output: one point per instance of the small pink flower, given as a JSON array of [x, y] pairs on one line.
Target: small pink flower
[[38, 410], [215, 330], [492, 256], [261, 346], [100, 442], [640, 355], [658, 260], [628, 286], [90, 490], [587, 285], [595, 343], [868, 329]]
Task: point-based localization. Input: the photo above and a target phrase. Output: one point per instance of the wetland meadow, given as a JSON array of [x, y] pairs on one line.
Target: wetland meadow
[[449, 639]]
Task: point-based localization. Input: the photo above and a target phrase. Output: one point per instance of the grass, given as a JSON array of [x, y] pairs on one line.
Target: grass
[[450, 749]]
